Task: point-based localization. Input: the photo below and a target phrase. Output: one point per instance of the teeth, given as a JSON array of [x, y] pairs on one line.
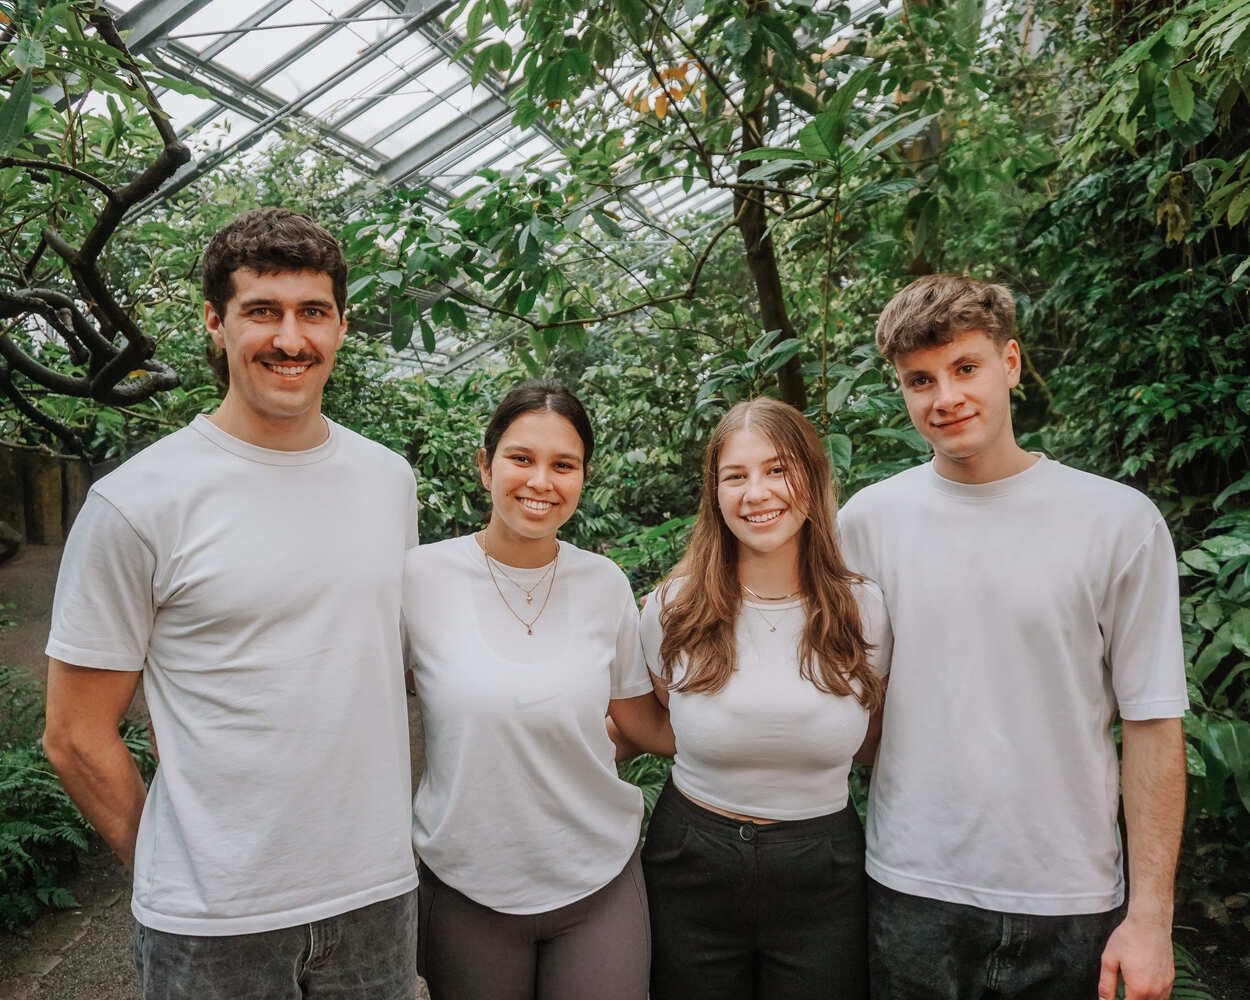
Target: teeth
[[289, 369], [772, 515], [537, 505]]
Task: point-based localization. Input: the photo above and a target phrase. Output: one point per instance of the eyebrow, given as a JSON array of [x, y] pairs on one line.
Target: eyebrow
[[250, 303], [775, 460], [566, 455]]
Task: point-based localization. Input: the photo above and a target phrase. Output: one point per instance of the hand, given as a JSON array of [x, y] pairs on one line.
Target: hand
[[1140, 952]]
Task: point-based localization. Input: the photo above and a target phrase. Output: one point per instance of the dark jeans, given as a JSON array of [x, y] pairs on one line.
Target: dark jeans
[[593, 949], [928, 949], [755, 911], [364, 954]]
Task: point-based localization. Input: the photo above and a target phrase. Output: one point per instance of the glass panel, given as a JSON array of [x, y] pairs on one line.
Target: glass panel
[[213, 17], [327, 57]]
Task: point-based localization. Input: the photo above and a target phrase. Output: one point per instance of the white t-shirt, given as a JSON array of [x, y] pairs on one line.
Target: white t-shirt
[[259, 593], [520, 807], [1025, 612], [769, 743]]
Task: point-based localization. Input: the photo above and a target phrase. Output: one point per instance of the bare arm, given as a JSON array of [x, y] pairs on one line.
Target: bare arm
[[867, 752], [640, 725], [1140, 949], [81, 741]]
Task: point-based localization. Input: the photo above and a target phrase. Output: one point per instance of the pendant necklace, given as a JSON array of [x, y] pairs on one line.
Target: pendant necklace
[[527, 591], [529, 625], [772, 625]]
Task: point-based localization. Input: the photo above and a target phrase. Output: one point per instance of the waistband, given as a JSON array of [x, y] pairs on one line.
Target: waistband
[[780, 831]]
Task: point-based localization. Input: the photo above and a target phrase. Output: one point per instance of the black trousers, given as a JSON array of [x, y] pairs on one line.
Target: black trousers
[[755, 911]]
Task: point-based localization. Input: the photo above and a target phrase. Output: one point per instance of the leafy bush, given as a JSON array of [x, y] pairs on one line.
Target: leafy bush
[[42, 834]]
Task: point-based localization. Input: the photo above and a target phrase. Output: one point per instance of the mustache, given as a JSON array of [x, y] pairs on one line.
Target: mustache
[[278, 358]]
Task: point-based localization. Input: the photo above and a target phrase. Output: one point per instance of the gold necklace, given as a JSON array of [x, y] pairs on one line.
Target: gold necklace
[[783, 597], [527, 591], [529, 625]]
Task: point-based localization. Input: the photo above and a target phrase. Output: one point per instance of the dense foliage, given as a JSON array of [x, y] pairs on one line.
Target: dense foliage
[[41, 833]]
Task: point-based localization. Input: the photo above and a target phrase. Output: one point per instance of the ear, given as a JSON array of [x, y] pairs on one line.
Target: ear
[[213, 323], [483, 468], [342, 333], [1011, 362]]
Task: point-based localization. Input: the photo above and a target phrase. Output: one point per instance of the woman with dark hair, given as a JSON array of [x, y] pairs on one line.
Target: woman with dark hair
[[769, 654], [521, 644]]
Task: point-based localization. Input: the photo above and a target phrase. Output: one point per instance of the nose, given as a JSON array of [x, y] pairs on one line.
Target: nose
[[539, 478], [949, 395], [287, 337], [757, 488]]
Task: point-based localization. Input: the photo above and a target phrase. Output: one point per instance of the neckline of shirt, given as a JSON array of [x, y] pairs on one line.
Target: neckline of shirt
[[267, 456], [478, 555], [998, 488]]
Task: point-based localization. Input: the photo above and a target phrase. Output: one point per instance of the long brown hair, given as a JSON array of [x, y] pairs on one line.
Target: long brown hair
[[700, 619]]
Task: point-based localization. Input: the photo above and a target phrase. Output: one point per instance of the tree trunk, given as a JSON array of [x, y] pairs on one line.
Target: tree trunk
[[762, 259]]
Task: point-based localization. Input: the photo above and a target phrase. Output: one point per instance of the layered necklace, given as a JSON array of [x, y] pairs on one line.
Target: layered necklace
[[770, 622], [548, 575]]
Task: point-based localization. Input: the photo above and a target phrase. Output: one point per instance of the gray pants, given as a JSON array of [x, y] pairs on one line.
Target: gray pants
[[364, 954], [598, 948]]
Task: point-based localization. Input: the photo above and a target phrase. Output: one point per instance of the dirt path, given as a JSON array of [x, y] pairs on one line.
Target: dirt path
[[83, 953]]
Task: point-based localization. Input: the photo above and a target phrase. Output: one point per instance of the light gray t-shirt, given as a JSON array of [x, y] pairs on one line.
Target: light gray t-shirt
[[1025, 612], [259, 593], [769, 743], [520, 807]]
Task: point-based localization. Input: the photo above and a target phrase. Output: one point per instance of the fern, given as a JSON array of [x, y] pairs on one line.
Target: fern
[[1188, 984]]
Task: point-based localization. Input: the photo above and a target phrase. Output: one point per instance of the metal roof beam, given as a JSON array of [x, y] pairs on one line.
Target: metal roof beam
[[444, 140], [150, 20]]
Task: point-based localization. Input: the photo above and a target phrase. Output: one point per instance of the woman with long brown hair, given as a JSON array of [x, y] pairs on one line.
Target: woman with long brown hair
[[770, 654]]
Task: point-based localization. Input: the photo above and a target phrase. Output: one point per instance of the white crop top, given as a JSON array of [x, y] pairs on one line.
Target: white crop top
[[769, 743]]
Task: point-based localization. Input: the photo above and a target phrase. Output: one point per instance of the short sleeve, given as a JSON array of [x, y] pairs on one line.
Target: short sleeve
[[650, 632], [103, 609], [1140, 619], [410, 515], [875, 623], [629, 670]]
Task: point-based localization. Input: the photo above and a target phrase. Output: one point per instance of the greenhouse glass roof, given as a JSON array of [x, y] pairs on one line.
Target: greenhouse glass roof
[[374, 79]]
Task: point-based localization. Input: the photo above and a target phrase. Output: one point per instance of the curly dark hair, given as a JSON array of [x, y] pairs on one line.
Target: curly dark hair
[[268, 240]]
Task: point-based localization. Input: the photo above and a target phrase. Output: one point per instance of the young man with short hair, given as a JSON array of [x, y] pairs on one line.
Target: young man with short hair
[[249, 568], [1030, 603]]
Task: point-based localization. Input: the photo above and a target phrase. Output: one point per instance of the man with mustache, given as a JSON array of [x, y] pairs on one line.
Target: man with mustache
[[249, 568]]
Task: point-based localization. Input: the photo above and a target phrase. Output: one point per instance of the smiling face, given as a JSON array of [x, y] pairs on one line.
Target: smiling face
[[958, 396], [280, 333], [754, 497], [535, 480]]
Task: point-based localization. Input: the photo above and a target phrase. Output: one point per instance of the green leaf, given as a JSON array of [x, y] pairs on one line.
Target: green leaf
[[1195, 764], [14, 113], [1181, 94], [607, 224], [401, 331], [839, 448], [359, 285], [1241, 269], [1213, 654], [28, 54], [525, 301], [473, 23], [908, 131], [428, 340], [1239, 626], [1176, 31], [1200, 560], [1238, 207], [527, 359], [499, 14], [1242, 484], [1230, 742], [738, 37], [392, 277]]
